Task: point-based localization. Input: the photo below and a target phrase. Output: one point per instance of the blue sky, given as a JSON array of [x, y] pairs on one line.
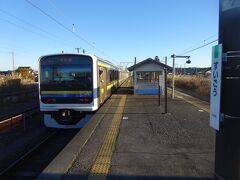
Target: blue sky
[[119, 29]]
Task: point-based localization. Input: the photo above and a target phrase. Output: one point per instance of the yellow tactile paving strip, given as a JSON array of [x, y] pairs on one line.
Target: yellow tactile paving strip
[[102, 163]]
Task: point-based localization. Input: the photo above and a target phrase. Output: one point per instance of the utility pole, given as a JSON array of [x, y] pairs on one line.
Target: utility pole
[[227, 150], [83, 51], [13, 68], [166, 60], [78, 49]]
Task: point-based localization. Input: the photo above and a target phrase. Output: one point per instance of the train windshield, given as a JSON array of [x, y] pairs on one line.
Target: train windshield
[[66, 77]]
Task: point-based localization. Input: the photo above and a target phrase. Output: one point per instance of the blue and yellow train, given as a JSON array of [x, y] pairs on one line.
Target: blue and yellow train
[[72, 84]]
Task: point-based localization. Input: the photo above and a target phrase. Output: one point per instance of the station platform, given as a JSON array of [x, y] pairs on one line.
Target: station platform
[[129, 137]]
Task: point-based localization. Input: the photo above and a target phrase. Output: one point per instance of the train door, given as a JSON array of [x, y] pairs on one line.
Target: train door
[[103, 83], [108, 84]]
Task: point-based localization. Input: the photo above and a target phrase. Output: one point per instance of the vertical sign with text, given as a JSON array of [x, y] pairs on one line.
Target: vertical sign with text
[[216, 81]]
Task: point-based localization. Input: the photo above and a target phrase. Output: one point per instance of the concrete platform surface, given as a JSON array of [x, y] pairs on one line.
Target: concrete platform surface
[[135, 140]]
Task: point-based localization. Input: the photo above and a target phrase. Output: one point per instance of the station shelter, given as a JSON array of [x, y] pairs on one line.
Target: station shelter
[[148, 76]]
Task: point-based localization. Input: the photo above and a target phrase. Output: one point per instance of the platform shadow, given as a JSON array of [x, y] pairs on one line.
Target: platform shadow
[[125, 90], [83, 176]]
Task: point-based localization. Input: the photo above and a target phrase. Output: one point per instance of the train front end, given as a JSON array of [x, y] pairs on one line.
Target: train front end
[[67, 89]]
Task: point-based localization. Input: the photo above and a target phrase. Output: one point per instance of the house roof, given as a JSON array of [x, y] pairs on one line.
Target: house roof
[[148, 61]]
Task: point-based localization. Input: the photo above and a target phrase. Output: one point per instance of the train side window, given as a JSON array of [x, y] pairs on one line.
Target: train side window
[[117, 75], [100, 72], [111, 75], [108, 76]]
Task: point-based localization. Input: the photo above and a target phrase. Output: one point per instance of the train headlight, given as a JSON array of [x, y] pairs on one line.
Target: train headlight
[[65, 113]]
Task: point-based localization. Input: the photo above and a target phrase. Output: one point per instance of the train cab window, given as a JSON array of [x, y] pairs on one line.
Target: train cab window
[[68, 74]]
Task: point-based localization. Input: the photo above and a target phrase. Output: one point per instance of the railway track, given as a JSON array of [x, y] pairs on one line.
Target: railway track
[[30, 165]]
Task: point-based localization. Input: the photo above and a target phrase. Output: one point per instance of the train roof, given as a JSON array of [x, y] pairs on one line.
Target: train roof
[[58, 54], [102, 60], [106, 61]]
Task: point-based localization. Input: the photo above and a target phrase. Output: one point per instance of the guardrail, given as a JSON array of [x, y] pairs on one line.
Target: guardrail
[[10, 121]]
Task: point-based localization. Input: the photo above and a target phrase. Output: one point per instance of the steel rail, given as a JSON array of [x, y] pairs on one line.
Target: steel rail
[[27, 155]]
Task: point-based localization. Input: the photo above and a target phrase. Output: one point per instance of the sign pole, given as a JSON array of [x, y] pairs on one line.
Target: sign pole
[[173, 76], [227, 150], [165, 91], [159, 93]]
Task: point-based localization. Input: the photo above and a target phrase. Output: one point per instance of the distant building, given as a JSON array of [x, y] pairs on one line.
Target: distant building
[[25, 72], [24, 68], [6, 73]]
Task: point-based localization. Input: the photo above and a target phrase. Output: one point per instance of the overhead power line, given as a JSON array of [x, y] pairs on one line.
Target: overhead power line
[[200, 43], [19, 26], [65, 27], [53, 36], [60, 12], [200, 47], [197, 48], [28, 30], [8, 51]]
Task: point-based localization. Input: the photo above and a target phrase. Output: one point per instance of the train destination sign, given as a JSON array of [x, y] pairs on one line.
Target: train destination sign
[[216, 77]]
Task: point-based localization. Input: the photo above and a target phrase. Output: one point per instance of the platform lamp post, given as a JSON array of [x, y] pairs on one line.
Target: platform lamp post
[[173, 71]]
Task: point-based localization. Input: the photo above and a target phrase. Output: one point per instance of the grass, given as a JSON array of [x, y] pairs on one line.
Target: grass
[[198, 84], [9, 84]]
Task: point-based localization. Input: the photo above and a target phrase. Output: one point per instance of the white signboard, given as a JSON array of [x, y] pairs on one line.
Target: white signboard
[[216, 80]]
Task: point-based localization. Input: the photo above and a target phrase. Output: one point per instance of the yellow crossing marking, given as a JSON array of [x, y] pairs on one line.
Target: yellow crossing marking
[[102, 162]]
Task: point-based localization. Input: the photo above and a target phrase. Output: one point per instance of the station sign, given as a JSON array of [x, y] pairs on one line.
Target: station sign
[[216, 82]]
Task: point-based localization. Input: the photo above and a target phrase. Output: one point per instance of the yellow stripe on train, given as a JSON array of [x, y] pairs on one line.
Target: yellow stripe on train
[[109, 86], [65, 92], [103, 65]]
